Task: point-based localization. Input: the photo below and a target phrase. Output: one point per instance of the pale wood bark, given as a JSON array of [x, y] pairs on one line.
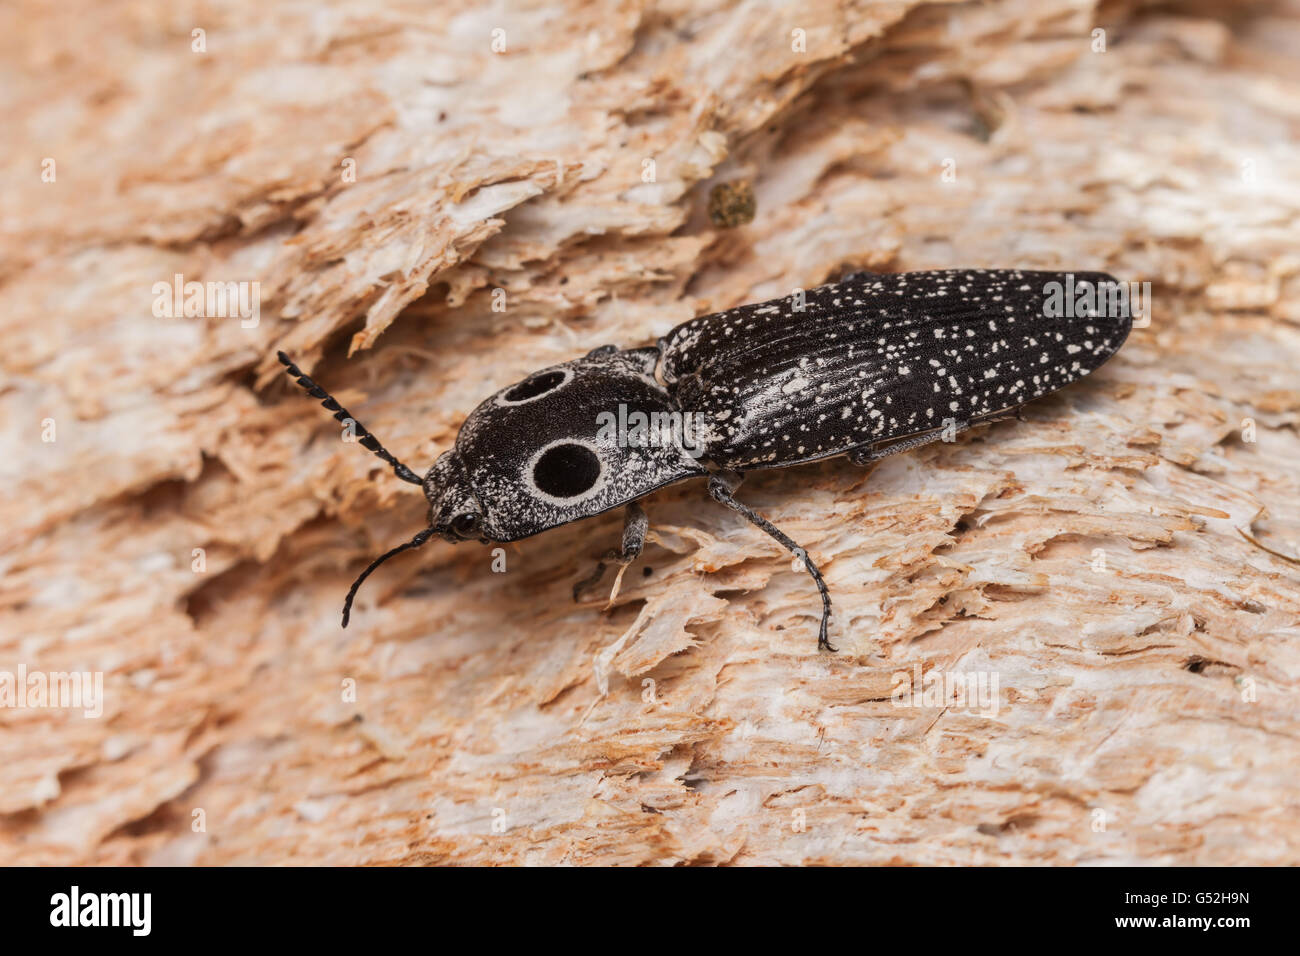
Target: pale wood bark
[[1090, 558]]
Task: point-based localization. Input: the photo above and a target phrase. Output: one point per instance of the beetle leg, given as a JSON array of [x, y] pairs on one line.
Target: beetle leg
[[867, 454], [635, 526], [1018, 413], [721, 487]]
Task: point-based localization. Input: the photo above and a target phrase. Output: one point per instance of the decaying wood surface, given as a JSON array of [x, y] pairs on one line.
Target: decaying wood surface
[[381, 171]]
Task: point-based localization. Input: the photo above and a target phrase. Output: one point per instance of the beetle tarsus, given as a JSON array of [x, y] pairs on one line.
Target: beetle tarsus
[[591, 580], [721, 488], [635, 527]]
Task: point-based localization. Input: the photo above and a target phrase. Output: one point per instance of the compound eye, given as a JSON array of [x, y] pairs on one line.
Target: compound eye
[[465, 525]]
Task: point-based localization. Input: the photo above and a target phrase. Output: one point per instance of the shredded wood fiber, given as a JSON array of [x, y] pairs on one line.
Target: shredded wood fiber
[[1118, 562]]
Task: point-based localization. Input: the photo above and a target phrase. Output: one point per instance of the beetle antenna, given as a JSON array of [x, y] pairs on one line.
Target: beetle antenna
[[342, 414], [411, 545]]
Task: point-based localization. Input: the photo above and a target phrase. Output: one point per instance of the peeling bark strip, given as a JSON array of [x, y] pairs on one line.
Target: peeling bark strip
[[457, 208]]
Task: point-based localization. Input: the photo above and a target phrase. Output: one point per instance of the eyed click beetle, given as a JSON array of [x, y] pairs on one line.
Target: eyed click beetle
[[866, 367]]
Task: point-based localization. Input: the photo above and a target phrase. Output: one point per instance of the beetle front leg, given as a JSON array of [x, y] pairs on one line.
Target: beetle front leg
[[721, 487], [635, 526]]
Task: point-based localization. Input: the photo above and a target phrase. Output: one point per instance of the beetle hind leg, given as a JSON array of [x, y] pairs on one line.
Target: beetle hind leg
[[635, 526], [870, 454], [720, 489]]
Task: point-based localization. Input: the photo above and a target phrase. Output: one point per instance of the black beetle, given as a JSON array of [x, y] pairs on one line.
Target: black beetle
[[869, 366]]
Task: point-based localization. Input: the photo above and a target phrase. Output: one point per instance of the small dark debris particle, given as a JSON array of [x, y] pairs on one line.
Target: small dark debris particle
[[1199, 665], [732, 204], [1021, 822]]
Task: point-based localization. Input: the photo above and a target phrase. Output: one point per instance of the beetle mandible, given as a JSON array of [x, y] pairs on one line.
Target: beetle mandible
[[866, 367]]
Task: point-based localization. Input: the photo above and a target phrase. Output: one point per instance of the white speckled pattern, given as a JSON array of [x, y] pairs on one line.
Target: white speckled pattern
[[878, 357]]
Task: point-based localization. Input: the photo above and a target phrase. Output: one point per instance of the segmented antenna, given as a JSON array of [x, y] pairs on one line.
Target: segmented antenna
[[411, 545], [367, 440]]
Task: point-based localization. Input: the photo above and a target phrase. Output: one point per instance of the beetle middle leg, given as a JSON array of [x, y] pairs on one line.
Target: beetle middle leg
[[721, 487], [635, 526]]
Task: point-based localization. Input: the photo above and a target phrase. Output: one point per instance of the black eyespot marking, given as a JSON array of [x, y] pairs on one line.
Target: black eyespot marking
[[566, 471], [465, 524], [535, 386]]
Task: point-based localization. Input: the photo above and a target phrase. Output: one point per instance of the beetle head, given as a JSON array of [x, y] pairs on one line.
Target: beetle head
[[455, 511], [558, 446], [545, 451]]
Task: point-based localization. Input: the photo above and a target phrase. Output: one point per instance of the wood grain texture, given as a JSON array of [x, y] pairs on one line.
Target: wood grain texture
[[1089, 559]]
